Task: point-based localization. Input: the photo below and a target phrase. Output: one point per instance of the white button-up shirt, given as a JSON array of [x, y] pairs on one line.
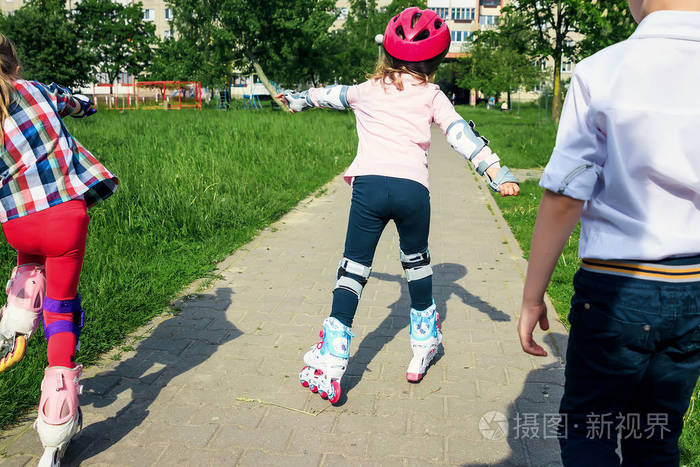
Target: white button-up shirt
[[629, 143]]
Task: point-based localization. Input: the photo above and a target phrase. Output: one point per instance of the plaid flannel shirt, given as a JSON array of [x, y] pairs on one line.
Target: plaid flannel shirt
[[41, 164]]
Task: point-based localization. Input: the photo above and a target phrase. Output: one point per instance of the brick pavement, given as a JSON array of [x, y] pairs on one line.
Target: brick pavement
[[217, 383]]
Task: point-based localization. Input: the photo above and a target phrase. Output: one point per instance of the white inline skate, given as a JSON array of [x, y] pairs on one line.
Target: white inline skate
[[19, 319], [425, 339], [59, 417], [326, 361]]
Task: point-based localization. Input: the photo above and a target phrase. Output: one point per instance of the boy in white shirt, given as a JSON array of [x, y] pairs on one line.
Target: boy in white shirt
[[627, 163]]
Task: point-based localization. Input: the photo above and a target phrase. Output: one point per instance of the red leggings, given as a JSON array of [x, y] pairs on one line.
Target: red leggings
[[56, 238]]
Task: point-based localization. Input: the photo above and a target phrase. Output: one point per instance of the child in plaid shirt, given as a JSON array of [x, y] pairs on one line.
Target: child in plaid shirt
[[48, 182]]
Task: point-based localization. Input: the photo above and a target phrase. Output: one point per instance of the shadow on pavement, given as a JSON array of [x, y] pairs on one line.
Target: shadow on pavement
[[445, 277], [531, 419], [174, 347]]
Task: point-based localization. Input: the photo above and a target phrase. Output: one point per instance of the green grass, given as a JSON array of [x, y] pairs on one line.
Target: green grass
[[519, 140], [520, 213], [194, 186]]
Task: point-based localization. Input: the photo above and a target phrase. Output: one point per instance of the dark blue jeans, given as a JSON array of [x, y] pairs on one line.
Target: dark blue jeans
[[632, 363], [375, 201]]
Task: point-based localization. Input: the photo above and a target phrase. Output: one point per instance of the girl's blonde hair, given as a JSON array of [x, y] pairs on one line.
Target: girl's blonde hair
[[9, 65], [389, 73]]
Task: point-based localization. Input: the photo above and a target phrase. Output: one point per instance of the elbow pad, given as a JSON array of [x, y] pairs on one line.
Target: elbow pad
[[465, 140], [332, 97], [86, 107], [298, 101]]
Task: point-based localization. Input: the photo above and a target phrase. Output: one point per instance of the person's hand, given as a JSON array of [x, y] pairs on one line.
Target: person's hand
[[509, 189], [530, 315], [281, 97]]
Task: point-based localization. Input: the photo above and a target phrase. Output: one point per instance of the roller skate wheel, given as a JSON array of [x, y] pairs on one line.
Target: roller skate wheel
[[336, 392], [313, 388], [414, 377], [302, 377], [323, 394], [15, 355], [51, 457]]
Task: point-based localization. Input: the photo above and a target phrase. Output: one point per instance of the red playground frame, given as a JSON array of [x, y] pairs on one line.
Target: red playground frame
[[157, 96]]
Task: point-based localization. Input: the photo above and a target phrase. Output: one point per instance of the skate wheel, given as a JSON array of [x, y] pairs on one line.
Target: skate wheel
[[313, 388], [51, 457], [302, 378], [323, 394], [414, 377], [15, 355], [336, 392]]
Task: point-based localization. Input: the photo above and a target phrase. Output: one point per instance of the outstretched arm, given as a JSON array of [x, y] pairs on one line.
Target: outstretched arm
[[472, 146], [466, 141], [331, 97], [67, 103]]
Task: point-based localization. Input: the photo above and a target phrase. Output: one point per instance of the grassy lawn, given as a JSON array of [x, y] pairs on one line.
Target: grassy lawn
[[194, 187], [510, 135]]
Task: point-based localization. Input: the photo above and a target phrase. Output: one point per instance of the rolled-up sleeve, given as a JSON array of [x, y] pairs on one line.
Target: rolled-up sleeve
[[580, 150]]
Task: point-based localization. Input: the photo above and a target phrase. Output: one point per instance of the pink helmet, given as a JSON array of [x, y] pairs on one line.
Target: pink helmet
[[415, 35]]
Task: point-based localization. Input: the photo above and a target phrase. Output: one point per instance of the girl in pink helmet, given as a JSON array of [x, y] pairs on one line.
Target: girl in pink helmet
[[389, 176], [48, 182]]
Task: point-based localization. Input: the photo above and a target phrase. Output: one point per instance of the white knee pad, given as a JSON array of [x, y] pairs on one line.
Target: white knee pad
[[352, 284], [416, 265]]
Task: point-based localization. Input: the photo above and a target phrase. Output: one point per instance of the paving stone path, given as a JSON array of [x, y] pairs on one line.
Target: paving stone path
[[216, 384]]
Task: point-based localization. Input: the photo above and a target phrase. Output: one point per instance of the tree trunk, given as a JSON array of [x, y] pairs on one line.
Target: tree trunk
[[509, 107], [268, 86], [556, 99]]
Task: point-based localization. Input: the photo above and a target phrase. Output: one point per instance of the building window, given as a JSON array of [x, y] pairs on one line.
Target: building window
[[488, 20], [569, 42], [168, 14], [460, 36], [168, 34], [343, 14], [149, 14], [463, 14], [491, 3], [442, 12], [566, 67]]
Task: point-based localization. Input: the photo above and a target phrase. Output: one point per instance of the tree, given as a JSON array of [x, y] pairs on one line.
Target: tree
[[602, 21], [495, 70], [174, 59], [48, 47], [553, 20], [365, 20], [501, 60], [290, 37], [117, 36]]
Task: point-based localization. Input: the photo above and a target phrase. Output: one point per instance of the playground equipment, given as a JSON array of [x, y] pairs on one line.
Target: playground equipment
[[173, 95], [249, 89]]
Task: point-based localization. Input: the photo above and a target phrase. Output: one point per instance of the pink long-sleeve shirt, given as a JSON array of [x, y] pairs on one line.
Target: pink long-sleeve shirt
[[393, 127]]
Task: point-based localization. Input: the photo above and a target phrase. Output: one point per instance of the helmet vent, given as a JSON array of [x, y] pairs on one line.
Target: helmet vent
[[437, 24], [424, 34], [400, 33], [415, 19]]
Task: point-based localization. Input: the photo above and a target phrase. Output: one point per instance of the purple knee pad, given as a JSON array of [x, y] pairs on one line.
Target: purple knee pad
[[64, 306]]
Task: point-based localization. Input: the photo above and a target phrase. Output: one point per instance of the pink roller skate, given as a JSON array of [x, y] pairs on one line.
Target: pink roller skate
[[59, 417], [327, 361], [19, 319], [425, 339]]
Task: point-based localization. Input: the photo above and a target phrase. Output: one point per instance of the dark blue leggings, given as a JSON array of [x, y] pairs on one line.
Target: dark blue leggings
[[375, 201]]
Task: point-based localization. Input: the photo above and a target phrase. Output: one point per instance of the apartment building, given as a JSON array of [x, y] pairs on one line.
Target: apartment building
[[465, 17], [155, 11]]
